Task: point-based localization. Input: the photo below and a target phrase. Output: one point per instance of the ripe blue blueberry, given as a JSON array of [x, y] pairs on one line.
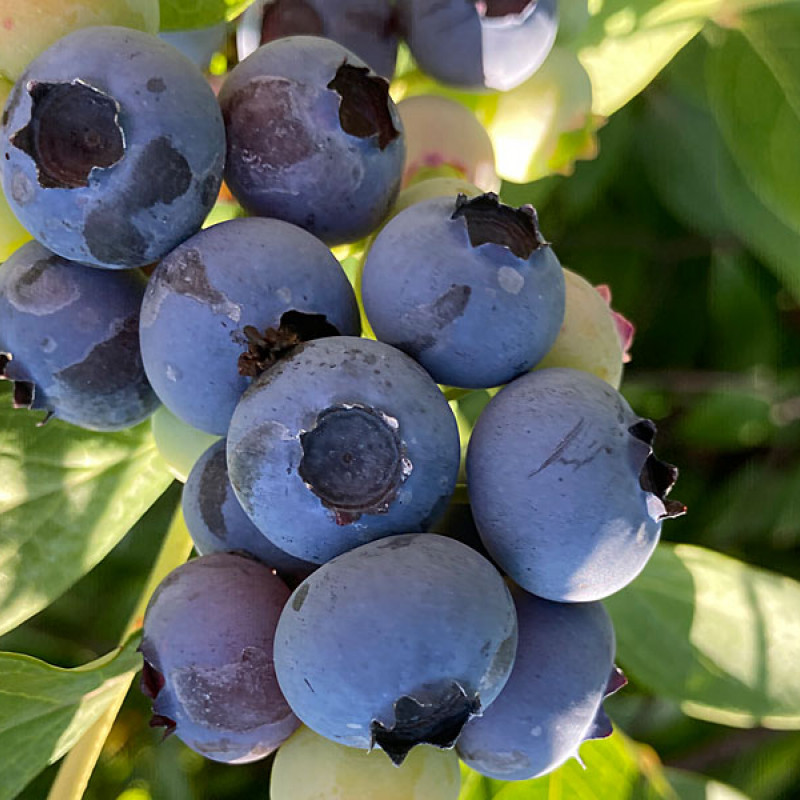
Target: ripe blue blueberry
[[217, 522], [208, 658], [247, 285], [344, 441], [113, 147], [69, 340], [491, 44], [396, 643], [553, 699], [469, 288], [364, 27], [566, 492], [313, 138]]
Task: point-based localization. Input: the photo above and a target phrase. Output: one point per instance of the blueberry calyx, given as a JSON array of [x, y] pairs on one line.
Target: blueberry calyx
[[23, 392], [438, 723], [616, 681], [657, 477], [160, 721], [354, 460], [364, 109], [282, 18], [151, 683], [601, 727], [152, 680], [264, 350], [73, 129], [492, 9], [490, 221]]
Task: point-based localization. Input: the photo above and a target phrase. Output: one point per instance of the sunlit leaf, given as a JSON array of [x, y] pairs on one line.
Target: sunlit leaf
[[182, 15], [67, 496], [628, 42], [44, 710], [715, 634], [612, 768], [691, 786]]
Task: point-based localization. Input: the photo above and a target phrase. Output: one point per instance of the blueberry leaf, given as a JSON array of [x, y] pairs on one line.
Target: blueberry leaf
[[692, 786], [714, 634], [178, 15], [45, 709], [67, 497], [626, 44], [613, 767], [760, 68], [697, 178]]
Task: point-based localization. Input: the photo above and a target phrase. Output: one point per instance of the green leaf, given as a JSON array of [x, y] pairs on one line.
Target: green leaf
[[475, 786], [736, 292], [67, 496], [692, 169], [628, 42], [758, 505], [679, 143], [691, 786], [46, 709], [727, 420], [612, 768], [184, 15], [754, 88], [774, 241], [715, 634]]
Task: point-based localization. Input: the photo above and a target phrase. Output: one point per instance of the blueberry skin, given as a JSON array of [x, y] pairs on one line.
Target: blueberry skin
[[203, 294], [266, 452], [553, 699], [474, 317], [208, 648], [454, 44], [555, 477], [218, 524], [160, 190], [72, 331], [362, 26], [403, 617], [288, 154]]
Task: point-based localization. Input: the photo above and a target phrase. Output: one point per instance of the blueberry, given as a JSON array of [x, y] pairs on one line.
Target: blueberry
[[345, 441], [593, 337], [113, 147], [494, 44], [208, 662], [364, 27], [217, 522], [566, 492], [457, 523], [313, 138], [443, 134], [553, 699], [396, 643], [310, 767], [69, 340], [221, 291], [467, 287]]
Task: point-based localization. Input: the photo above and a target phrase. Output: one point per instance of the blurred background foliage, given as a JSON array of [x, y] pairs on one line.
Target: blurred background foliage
[[689, 214]]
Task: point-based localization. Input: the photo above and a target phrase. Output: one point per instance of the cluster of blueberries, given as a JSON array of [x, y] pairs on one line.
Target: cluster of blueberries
[[341, 454]]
